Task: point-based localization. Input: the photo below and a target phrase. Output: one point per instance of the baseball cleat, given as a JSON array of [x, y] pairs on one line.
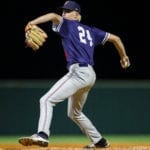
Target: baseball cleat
[[35, 139], [103, 143]]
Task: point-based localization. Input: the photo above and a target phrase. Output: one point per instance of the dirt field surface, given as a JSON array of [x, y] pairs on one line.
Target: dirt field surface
[[113, 146]]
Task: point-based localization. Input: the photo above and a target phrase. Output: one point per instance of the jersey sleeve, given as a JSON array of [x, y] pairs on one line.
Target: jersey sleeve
[[56, 27], [100, 36], [61, 28]]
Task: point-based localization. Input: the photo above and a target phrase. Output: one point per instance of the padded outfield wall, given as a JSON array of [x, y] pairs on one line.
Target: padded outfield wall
[[115, 107]]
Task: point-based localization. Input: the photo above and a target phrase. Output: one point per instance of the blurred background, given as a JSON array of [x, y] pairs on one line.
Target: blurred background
[[121, 97], [129, 21]]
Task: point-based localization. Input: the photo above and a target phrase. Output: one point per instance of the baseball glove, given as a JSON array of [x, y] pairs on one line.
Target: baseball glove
[[35, 37]]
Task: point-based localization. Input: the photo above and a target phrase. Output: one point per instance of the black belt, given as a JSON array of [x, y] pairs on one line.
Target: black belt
[[83, 64]]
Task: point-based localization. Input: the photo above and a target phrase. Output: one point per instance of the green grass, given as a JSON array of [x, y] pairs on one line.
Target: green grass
[[83, 139]]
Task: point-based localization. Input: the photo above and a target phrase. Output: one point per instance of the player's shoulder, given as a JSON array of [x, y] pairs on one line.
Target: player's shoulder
[[91, 28], [78, 23]]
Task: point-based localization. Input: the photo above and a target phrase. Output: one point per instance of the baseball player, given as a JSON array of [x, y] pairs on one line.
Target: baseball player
[[78, 41]]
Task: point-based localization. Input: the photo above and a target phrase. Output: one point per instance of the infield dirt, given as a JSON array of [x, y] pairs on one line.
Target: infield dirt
[[114, 146]]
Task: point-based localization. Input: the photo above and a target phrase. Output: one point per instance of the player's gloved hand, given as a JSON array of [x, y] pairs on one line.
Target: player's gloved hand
[[125, 62], [34, 36]]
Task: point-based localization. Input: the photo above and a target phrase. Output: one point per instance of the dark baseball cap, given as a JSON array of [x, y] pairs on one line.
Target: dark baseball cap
[[71, 5]]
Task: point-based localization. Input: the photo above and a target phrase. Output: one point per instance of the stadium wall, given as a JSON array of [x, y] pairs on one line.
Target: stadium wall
[[114, 107]]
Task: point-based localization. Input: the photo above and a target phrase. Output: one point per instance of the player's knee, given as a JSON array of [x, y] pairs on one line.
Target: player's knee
[[44, 100], [74, 115], [69, 115]]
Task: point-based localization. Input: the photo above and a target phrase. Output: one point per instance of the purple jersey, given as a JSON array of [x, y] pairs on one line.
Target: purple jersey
[[79, 40]]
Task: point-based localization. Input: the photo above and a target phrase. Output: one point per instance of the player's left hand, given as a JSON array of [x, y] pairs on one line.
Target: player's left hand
[[34, 37], [125, 62]]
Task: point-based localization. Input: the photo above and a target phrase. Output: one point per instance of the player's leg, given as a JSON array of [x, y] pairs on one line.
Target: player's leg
[[61, 90], [75, 106], [76, 103]]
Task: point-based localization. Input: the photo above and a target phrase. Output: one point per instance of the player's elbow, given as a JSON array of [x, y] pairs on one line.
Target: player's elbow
[[55, 18], [114, 38]]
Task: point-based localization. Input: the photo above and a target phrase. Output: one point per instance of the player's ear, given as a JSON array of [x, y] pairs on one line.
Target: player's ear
[[78, 16]]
